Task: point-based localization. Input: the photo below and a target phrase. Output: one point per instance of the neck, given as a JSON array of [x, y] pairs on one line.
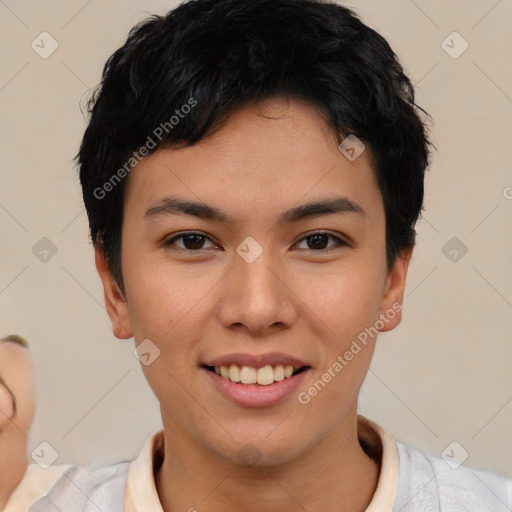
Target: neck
[[335, 474]]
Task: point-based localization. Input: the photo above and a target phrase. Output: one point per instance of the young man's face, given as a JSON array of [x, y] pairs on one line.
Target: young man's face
[[201, 299]]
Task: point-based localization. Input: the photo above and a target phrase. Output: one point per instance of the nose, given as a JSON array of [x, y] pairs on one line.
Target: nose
[[256, 297]]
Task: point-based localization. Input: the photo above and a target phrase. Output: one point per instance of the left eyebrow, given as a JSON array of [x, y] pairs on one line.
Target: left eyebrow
[[176, 206], [326, 206]]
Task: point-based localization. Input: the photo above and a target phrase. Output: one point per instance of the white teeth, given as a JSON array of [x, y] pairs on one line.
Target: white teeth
[[263, 376], [248, 375], [279, 372], [234, 373]]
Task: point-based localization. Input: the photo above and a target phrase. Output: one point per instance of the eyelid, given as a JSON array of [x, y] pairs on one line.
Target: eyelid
[[182, 234], [342, 242]]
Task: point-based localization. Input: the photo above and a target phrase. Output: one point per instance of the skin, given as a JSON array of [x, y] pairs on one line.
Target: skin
[[17, 371], [294, 298]]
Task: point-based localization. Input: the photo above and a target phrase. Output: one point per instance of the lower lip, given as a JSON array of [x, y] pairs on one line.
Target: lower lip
[[255, 395]]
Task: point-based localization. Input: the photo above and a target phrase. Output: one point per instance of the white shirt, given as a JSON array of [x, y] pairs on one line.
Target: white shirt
[[409, 481]]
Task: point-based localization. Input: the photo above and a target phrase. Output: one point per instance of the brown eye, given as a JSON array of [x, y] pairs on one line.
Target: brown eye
[[191, 241], [319, 241]]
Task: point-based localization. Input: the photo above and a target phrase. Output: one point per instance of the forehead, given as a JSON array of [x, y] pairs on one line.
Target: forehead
[[13, 358], [265, 156]]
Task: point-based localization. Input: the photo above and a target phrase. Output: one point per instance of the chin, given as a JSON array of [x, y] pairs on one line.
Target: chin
[[260, 451]]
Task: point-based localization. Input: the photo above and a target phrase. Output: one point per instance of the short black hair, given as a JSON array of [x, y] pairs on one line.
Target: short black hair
[[178, 77]]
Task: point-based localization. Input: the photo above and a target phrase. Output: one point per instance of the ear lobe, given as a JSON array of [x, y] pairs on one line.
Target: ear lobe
[[391, 306], [115, 303]]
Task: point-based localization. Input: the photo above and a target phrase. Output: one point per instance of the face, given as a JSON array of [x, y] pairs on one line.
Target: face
[[17, 404], [255, 285], [7, 402]]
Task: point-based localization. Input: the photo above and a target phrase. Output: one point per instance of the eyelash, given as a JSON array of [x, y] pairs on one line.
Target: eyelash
[[341, 242]]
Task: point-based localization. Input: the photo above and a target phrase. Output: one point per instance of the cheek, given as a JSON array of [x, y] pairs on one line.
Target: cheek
[[6, 406], [346, 299], [348, 304], [168, 305], [160, 298]]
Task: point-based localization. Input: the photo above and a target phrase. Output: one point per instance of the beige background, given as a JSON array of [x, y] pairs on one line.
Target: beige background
[[442, 376]]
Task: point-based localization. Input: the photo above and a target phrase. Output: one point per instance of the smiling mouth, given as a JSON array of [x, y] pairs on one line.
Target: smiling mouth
[[263, 376]]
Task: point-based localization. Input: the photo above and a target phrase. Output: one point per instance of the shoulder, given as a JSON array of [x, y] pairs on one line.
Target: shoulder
[[84, 490], [429, 483]]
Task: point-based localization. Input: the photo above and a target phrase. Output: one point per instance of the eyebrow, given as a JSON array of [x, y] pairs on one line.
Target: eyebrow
[[176, 206]]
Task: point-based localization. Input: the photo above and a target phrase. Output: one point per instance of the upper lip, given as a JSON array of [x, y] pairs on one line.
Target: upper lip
[[256, 361]]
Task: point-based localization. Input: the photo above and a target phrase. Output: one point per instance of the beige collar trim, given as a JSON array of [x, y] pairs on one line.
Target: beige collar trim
[[141, 494]]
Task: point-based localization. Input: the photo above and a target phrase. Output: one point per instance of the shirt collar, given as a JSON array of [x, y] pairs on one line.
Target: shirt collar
[[35, 483], [141, 493], [384, 496]]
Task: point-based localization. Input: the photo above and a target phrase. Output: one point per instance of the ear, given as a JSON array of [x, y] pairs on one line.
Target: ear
[[391, 305], [117, 307]]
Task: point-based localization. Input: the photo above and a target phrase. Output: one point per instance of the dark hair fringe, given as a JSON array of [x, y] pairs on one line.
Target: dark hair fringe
[[230, 53]]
